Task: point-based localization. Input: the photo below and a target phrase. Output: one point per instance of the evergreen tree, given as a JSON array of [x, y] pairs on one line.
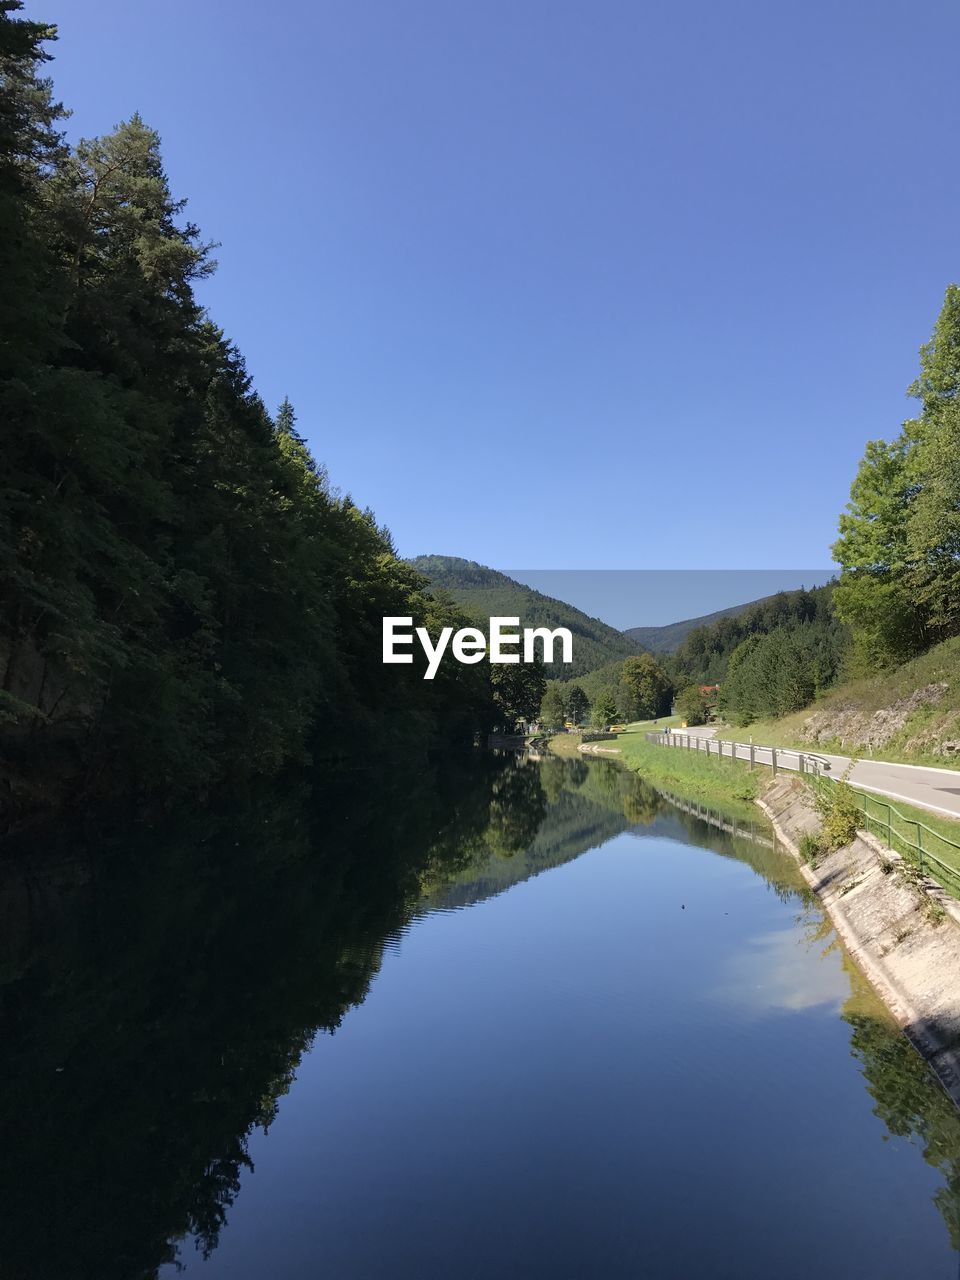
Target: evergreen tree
[[182, 597], [578, 704]]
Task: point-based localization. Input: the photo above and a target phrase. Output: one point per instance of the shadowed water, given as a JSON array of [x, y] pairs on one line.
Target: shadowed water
[[509, 1019]]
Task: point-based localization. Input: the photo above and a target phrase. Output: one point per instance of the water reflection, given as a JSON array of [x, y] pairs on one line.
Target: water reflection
[[787, 982], [160, 987]]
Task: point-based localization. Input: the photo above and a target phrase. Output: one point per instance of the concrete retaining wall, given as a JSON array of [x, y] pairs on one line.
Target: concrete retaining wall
[[901, 930]]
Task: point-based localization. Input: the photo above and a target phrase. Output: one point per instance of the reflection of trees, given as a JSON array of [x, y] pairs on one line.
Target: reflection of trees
[[160, 1007], [157, 1007], [641, 802], [909, 1100], [554, 777], [517, 807], [577, 771]]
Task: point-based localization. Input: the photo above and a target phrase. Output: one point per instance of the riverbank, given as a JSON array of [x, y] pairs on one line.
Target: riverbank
[[728, 785], [901, 928]]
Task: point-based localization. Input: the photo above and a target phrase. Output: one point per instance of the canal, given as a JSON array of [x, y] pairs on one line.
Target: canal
[[519, 1019]]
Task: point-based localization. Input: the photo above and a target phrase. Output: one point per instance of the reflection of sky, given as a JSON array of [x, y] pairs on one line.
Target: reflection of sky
[[656, 597], [773, 973]]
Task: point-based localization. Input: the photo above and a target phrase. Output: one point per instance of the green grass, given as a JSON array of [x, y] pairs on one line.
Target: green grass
[[916, 742], [567, 744], [654, 726], [726, 785]]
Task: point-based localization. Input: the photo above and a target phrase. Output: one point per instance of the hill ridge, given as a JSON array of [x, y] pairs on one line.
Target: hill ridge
[[484, 592]]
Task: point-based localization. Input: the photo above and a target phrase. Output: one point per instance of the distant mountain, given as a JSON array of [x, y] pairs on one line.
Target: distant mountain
[[484, 593], [668, 638]]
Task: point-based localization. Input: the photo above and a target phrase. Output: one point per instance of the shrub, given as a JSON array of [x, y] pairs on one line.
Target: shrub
[[840, 812], [810, 848]]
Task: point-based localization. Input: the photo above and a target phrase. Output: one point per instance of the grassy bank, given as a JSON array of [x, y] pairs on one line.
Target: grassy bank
[[725, 785]]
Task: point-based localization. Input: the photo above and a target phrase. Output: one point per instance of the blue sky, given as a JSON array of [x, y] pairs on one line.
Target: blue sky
[[605, 285]]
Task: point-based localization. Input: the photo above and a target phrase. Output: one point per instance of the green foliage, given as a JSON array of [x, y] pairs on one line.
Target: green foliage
[[518, 690], [644, 689], [181, 596], [774, 674], [691, 705], [705, 653], [810, 848], [604, 711], [551, 707], [899, 544], [667, 639], [839, 812], [577, 704]]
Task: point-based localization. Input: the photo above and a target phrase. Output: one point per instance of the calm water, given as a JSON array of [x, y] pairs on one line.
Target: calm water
[[520, 1020]]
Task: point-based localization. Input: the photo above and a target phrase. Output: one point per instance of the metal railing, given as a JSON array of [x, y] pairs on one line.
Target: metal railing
[[912, 839], [777, 758]]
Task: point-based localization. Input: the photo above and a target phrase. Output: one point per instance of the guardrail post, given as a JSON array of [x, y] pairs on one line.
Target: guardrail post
[[773, 760], [800, 762], [753, 757]]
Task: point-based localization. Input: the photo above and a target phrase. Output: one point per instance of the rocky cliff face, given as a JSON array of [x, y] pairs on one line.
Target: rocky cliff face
[[861, 730]]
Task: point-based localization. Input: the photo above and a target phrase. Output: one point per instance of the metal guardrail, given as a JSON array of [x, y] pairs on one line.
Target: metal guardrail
[[777, 758], [913, 840]]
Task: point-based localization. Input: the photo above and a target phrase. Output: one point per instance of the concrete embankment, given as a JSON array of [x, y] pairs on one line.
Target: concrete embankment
[[902, 929]]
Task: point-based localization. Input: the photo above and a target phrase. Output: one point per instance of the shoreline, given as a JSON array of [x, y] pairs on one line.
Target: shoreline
[[901, 929]]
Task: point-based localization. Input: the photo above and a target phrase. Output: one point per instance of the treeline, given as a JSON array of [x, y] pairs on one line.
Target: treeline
[[704, 654], [182, 595], [636, 688], [782, 671], [899, 544], [774, 658]]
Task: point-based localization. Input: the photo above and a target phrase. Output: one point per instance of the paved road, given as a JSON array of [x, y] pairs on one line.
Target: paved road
[[930, 788]]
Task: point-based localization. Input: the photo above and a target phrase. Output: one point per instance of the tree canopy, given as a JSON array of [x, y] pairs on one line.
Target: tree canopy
[[182, 597], [899, 544]]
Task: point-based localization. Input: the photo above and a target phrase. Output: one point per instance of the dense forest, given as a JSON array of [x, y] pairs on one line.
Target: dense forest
[[769, 657], [183, 597]]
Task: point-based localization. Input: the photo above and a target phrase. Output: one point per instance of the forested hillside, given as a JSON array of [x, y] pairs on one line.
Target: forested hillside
[[182, 597], [668, 638], [485, 593], [772, 656]]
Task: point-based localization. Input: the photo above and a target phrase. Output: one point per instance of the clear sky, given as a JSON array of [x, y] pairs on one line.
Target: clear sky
[[603, 284]]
